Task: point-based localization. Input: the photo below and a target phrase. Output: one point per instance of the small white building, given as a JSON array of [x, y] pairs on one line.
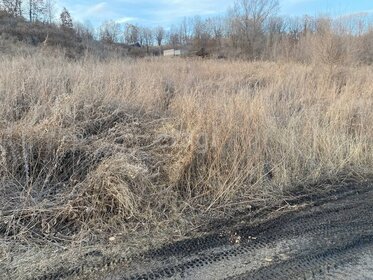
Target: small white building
[[173, 52]]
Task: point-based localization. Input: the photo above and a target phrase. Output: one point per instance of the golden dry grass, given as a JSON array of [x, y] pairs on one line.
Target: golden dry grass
[[90, 148]]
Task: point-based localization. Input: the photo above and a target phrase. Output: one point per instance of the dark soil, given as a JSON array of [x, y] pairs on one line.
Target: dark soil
[[332, 239]]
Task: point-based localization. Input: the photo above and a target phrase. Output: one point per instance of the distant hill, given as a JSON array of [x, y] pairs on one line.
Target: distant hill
[[17, 32]]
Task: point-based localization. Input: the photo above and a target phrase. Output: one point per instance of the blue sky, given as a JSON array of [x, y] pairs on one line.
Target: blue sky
[[168, 12]]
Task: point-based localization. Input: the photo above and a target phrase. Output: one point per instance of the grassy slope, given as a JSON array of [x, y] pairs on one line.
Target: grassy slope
[[94, 149]]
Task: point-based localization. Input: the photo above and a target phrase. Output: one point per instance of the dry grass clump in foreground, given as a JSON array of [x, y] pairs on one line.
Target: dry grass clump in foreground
[[94, 148]]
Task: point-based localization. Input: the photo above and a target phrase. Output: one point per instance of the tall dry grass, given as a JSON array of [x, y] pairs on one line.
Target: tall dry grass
[[141, 144]]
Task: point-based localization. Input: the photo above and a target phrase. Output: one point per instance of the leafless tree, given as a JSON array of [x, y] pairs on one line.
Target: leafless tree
[[218, 28], [173, 37], [13, 7], [109, 32], [159, 35], [36, 10], [186, 31], [247, 22], [50, 10], [147, 36], [131, 34], [84, 31], [201, 33]]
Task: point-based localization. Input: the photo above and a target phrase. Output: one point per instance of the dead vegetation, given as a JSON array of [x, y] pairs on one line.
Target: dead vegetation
[[93, 149]]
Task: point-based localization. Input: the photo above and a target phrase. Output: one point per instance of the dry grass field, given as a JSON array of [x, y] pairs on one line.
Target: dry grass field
[[91, 150]]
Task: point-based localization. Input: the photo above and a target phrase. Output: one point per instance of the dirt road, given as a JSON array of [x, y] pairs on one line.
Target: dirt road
[[333, 239]]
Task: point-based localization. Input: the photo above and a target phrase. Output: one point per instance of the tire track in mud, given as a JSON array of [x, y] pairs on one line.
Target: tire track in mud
[[325, 241], [312, 265], [317, 243]]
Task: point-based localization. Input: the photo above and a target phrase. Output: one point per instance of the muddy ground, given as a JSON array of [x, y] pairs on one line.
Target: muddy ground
[[333, 239]]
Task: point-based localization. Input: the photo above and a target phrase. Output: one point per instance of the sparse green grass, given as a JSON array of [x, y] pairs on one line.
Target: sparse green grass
[[94, 149]]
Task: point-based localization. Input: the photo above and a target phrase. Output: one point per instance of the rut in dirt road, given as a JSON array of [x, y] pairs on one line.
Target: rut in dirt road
[[333, 240]]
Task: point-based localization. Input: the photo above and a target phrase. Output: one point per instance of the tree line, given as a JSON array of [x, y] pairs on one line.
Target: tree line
[[250, 28], [33, 10], [254, 29]]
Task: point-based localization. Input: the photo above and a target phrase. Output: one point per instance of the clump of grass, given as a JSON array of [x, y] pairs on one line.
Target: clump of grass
[[98, 175]]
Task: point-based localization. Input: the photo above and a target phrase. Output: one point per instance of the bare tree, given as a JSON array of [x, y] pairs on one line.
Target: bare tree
[[275, 31], [50, 10], [159, 35], [147, 34], [84, 31], [36, 10], [131, 34], [217, 29], [109, 32], [185, 31], [13, 7], [248, 21], [200, 32], [257, 10], [173, 37]]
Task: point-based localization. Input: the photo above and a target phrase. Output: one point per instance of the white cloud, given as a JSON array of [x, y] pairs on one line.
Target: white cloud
[[125, 19], [97, 8], [359, 15]]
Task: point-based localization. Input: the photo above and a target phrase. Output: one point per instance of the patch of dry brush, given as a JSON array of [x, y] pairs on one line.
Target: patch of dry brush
[[119, 146]]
